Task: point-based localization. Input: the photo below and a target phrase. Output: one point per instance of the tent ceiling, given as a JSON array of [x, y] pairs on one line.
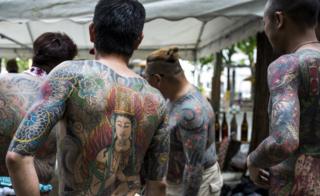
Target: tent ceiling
[[199, 26]]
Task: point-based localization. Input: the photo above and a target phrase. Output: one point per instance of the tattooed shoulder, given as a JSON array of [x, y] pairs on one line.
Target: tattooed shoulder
[[283, 71]]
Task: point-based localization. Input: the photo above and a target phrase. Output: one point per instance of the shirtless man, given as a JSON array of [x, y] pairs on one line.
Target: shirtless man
[[292, 151], [19, 91], [193, 168], [115, 121]]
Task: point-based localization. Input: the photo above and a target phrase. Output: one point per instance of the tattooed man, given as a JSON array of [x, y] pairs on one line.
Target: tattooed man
[[193, 167], [19, 91], [292, 151], [115, 121]]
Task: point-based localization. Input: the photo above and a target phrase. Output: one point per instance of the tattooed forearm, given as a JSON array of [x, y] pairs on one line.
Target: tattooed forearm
[[156, 160], [192, 179], [284, 139], [157, 156]]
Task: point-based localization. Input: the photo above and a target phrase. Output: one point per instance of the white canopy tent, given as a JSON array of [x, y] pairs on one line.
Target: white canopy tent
[[200, 27]]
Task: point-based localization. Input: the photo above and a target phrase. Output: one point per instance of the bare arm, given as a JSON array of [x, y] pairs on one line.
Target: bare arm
[[194, 138], [23, 174], [156, 160], [34, 130], [285, 115]]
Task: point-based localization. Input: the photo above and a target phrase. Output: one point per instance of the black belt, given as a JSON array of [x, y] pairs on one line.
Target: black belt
[[209, 164]]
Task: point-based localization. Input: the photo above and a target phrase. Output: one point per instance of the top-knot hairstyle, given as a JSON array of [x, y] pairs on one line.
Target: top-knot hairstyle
[[51, 49], [164, 61]]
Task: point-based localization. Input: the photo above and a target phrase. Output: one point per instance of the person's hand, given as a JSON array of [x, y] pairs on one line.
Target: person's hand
[[260, 177]]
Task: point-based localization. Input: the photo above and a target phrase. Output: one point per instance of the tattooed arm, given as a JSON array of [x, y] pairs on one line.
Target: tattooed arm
[[194, 139], [34, 130], [45, 158], [156, 160], [285, 115]]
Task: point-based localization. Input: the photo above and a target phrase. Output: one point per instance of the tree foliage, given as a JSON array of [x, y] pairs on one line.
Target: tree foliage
[[248, 47]]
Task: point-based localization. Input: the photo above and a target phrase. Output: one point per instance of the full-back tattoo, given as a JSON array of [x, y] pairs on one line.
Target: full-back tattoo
[[114, 124], [17, 94]]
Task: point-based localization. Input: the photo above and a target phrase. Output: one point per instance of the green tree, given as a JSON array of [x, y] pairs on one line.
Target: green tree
[[23, 64], [204, 61], [227, 61], [248, 47]]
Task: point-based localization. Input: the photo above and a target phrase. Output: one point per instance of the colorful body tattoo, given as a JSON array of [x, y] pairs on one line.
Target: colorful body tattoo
[[114, 124], [17, 94], [293, 147], [192, 147]]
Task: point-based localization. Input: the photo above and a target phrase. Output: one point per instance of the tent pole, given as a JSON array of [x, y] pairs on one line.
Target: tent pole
[[29, 31], [2, 36], [198, 41]]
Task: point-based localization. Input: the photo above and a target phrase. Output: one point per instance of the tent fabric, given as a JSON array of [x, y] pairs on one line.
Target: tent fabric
[[201, 27]]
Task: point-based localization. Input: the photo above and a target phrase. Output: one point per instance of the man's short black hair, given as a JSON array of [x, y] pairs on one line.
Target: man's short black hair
[[51, 49], [118, 25], [12, 66], [303, 12]]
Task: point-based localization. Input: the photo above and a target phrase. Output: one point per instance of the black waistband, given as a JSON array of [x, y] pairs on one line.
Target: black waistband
[[209, 164]]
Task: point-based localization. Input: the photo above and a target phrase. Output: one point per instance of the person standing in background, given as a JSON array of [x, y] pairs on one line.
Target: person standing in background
[[193, 167], [12, 66]]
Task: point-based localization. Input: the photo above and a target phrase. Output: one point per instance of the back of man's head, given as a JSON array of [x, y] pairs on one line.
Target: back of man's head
[[50, 49], [118, 26], [12, 66], [303, 12], [164, 61]]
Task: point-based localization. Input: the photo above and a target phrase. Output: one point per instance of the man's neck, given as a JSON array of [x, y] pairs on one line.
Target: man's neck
[[302, 40], [117, 63], [180, 89], [116, 59]]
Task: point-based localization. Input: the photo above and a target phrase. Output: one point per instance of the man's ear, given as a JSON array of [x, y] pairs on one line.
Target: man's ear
[[279, 19], [155, 80], [92, 33], [138, 41], [157, 77]]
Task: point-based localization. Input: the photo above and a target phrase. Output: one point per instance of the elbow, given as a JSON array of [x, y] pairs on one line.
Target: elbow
[[12, 160], [288, 148]]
